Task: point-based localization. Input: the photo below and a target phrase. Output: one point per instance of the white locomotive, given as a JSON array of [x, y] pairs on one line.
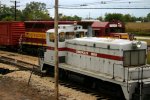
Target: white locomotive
[[117, 61]]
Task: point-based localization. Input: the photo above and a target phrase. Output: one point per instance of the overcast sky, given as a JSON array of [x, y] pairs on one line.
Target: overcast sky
[[94, 13]]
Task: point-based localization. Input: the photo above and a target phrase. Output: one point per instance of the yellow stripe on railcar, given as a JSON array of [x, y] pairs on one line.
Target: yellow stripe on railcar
[[39, 35]]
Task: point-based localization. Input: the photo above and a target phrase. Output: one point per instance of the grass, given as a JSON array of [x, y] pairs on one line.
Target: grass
[[148, 54], [142, 29], [138, 28], [147, 40]]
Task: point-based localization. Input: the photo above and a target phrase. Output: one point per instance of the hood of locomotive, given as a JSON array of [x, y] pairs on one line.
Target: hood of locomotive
[[132, 54], [109, 43]]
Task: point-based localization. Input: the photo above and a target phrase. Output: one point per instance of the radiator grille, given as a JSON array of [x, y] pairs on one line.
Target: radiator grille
[[134, 58]]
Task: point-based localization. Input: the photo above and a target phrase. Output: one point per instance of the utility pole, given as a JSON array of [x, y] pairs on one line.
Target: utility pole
[[15, 2], [15, 9], [56, 51]]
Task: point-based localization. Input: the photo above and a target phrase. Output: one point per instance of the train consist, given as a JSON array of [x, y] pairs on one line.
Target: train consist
[[35, 30], [30, 35], [116, 65]]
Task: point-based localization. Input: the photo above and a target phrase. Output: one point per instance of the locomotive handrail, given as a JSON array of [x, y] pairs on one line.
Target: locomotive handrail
[[141, 84], [128, 76], [127, 81], [124, 75], [140, 79]]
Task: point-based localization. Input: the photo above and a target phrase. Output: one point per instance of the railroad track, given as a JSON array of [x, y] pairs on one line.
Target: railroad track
[[20, 64], [78, 87], [34, 68]]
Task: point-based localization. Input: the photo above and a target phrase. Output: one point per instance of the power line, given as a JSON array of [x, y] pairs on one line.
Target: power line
[[103, 8], [89, 5], [102, 3]]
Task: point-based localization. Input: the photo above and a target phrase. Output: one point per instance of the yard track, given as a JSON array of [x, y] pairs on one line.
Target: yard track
[[25, 66], [22, 65]]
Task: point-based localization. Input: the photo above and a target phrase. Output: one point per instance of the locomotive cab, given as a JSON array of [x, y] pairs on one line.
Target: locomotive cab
[[65, 32]]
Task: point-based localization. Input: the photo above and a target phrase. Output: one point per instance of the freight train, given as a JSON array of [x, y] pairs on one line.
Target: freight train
[[35, 36], [116, 65], [28, 36], [35, 30]]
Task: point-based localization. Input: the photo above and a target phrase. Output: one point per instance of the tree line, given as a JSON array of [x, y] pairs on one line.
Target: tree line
[[125, 17], [38, 11], [32, 11]]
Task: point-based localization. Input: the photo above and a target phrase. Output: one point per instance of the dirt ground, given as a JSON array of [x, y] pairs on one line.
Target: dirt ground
[[14, 90], [14, 86]]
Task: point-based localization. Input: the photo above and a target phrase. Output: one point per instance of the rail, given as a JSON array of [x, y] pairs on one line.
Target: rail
[[19, 63]]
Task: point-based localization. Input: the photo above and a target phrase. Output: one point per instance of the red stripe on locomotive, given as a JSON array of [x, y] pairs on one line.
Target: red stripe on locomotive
[[100, 55]]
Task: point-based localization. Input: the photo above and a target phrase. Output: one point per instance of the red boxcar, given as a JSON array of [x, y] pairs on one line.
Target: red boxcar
[[10, 33]]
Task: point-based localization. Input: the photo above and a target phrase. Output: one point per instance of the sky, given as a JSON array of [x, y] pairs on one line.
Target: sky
[[93, 13]]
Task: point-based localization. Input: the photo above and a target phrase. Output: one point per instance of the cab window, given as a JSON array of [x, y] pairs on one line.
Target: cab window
[[51, 37], [79, 34], [61, 37], [70, 35]]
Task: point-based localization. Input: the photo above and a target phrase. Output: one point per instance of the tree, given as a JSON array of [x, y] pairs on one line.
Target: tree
[[113, 16], [74, 18], [7, 14], [127, 18], [148, 17], [7, 18], [133, 19], [36, 11], [100, 18]]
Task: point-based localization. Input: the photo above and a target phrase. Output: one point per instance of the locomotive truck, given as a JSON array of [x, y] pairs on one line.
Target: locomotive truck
[[116, 65]]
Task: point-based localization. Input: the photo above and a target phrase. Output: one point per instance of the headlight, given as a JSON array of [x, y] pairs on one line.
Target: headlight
[[136, 44], [139, 44]]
